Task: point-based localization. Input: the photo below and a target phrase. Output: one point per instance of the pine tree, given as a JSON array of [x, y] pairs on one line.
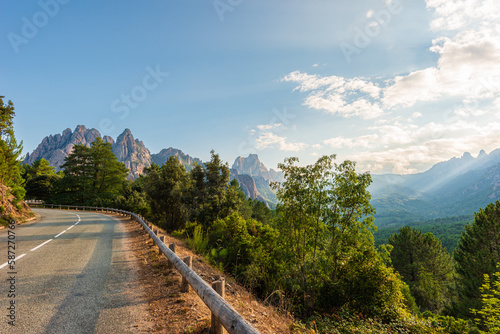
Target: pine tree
[[327, 253], [92, 175], [40, 180], [477, 253], [166, 187], [10, 151], [424, 265], [212, 197]]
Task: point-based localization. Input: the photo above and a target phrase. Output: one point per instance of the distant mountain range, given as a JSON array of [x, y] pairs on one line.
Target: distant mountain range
[[459, 186], [254, 178]]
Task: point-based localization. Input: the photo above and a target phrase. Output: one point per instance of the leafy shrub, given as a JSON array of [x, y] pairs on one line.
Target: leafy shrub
[[490, 301]]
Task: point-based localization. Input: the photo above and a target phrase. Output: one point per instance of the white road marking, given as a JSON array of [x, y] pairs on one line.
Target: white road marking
[[34, 249], [41, 245], [59, 234], [17, 258]]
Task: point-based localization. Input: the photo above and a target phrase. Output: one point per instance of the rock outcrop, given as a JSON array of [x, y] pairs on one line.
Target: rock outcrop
[[55, 148], [9, 209], [132, 152], [161, 157], [260, 175], [254, 167]]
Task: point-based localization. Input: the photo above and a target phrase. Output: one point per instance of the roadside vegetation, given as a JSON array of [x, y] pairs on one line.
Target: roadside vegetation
[[11, 183]]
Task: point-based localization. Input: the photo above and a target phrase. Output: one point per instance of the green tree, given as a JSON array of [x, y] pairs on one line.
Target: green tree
[[425, 265], [260, 211], [38, 168], [92, 175], [166, 187], [41, 180], [133, 198], [328, 255], [490, 302], [10, 151], [477, 253], [212, 197]]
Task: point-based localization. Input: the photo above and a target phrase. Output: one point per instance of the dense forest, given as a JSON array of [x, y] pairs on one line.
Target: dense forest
[[447, 230], [315, 256]]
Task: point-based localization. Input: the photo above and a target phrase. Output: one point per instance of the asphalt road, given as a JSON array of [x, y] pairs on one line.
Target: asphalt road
[[72, 275]]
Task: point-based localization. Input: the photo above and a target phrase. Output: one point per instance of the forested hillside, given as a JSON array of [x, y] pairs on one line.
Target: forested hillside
[[447, 230], [451, 188]]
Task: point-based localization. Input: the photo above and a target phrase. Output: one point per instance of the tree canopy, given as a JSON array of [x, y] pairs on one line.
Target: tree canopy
[[166, 187], [424, 265], [10, 151], [326, 245], [92, 175], [477, 254]]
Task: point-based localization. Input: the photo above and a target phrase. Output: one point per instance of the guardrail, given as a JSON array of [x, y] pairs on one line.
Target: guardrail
[[222, 312]]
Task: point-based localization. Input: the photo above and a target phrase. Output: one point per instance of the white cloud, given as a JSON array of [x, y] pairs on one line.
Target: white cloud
[[457, 99], [269, 126], [270, 140], [367, 141], [335, 94], [469, 55], [416, 115], [405, 148]]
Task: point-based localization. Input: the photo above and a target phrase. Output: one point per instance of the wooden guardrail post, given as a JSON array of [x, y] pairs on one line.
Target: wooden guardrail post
[[162, 239], [216, 326], [172, 248], [185, 285]]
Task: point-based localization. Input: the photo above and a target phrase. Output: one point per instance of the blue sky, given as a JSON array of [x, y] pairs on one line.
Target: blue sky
[[395, 85]]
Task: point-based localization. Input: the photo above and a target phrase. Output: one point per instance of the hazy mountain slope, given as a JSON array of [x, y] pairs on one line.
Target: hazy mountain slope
[[459, 186]]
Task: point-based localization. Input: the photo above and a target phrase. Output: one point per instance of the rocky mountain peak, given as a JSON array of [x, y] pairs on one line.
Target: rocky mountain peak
[[252, 166], [126, 134], [186, 160], [55, 148], [108, 139], [467, 156], [132, 153]]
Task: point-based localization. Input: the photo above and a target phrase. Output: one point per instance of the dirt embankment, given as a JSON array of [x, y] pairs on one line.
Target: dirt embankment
[[173, 311], [20, 212]]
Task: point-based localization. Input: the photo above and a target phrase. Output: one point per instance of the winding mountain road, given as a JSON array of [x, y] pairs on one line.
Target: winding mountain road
[[73, 273]]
